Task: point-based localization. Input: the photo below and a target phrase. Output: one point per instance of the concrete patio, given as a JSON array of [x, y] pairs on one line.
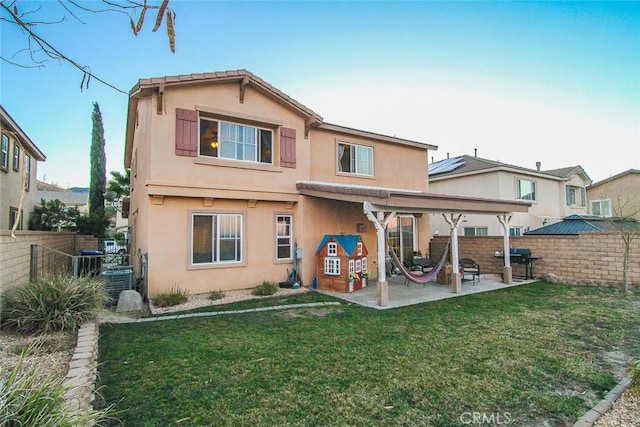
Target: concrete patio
[[401, 295]]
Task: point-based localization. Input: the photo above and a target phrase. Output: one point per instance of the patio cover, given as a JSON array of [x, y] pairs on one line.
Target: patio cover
[[381, 204]]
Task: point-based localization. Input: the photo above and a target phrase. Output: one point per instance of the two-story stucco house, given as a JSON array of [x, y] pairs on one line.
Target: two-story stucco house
[[231, 179], [19, 158], [618, 195], [554, 194]]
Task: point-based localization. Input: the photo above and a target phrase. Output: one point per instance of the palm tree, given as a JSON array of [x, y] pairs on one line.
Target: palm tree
[[119, 183]]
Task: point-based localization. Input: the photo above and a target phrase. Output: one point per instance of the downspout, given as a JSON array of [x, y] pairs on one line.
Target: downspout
[[507, 272]]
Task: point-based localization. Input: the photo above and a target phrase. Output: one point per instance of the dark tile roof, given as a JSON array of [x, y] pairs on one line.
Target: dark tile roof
[[473, 164], [576, 224]]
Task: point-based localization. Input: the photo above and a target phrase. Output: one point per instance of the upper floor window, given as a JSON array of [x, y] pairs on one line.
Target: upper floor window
[[27, 169], [526, 190], [601, 207], [13, 218], [332, 249], [234, 141], [4, 159], [476, 231], [356, 159], [575, 196], [16, 156]]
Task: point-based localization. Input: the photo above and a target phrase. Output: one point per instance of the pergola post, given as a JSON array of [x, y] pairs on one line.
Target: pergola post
[[456, 277], [380, 223], [507, 272]]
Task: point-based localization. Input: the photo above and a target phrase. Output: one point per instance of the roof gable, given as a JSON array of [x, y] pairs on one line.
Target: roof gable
[[348, 242]]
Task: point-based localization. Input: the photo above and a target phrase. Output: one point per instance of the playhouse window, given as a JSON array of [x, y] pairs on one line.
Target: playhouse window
[[332, 249], [359, 248], [364, 264], [332, 266], [352, 266]]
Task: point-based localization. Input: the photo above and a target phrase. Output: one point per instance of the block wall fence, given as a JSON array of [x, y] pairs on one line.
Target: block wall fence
[[589, 258], [15, 253]]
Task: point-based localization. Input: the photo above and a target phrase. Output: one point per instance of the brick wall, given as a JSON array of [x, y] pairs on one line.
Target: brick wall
[[15, 254], [590, 258]]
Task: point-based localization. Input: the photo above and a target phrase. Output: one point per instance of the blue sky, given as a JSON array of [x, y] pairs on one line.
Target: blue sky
[[556, 82]]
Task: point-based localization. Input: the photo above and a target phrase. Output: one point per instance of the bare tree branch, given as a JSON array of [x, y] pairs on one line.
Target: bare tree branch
[[37, 45]]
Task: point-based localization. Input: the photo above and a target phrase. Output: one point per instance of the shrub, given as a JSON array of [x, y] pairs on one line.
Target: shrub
[[174, 297], [216, 295], [29, 399], [56, 303], [265, 288]]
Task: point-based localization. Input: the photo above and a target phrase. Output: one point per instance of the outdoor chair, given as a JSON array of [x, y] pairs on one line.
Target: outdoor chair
[[471, 267]]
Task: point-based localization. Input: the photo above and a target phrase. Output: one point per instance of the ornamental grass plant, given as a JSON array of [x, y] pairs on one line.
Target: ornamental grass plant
[[29, 398], [56, 303]]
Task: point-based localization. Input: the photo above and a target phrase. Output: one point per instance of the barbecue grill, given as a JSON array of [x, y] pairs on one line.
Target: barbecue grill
[[521, 256]]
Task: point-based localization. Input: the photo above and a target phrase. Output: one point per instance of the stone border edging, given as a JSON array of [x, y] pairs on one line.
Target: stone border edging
[[83, 367], [588, 419], [218, 313]]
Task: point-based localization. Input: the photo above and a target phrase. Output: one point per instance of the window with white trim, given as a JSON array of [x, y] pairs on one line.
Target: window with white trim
[[515, 231], [4, 153], [27, 169], [284, 237], [216, 238], [364, 264], [13, 218], [332, 266], [16, 156], [358, 265], [355, 159], [352, 266], [332, 249], [235, 141], [601, 207], [359, 250], [476, 231], [526, 189]]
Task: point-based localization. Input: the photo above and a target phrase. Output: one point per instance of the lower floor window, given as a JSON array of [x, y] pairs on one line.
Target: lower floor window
[[476, 231], [216, 238]]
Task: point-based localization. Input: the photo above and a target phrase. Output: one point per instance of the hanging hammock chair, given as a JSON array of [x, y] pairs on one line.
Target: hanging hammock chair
[[419, 278]]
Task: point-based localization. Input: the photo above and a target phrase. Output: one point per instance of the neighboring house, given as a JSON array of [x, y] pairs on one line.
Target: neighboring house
[[554, 194], [71, 199], [19, 158], [229, 175], [618, 195]]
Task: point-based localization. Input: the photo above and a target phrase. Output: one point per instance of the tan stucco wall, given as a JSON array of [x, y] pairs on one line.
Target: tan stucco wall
[[395, 166], [624, 193], [167, 188]]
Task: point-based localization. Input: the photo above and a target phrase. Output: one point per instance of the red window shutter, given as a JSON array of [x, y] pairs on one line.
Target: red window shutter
[[186, 132], [287, 148]]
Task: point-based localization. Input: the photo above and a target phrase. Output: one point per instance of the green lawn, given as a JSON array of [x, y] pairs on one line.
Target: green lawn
[[521, 356]]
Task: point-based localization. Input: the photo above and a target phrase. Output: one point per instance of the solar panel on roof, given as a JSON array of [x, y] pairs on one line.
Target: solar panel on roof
[[446, 165]]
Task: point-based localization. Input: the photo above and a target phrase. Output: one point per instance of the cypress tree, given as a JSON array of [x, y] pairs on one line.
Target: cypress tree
[[98, 179]]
